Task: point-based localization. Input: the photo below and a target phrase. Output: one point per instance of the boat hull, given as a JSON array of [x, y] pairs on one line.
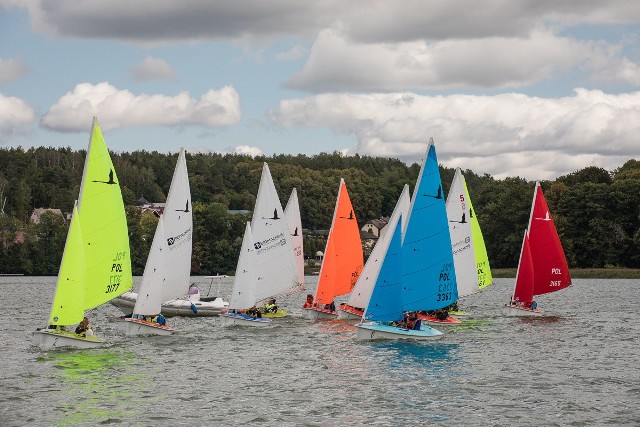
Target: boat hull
[[277, 314], [381, 331], [517, 311], [433, 319], [347, 312], [48, 339], [237, 319], [316, 313], [179, 307], [142, 327]]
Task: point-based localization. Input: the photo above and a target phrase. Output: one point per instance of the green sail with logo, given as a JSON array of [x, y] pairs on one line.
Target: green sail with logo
[[104, 226]]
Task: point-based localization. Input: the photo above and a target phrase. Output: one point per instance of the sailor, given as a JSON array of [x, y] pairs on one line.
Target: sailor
[[309, 303], [83, 327], [271, 306], [160, 319]]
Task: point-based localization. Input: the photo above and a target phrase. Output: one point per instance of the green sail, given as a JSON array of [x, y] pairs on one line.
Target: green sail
[[68, 303], [104, 226], [480, 250]]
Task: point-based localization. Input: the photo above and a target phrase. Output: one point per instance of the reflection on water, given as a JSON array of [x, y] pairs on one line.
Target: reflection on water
[[95, 385]]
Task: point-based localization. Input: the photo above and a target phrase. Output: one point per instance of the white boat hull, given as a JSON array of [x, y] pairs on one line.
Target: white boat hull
[[233, 319], [381, 331], [315, 313], [141, 327], [48, 339], [178, 307], [517, 311]]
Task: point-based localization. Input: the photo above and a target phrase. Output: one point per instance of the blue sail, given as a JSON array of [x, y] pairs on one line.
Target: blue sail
[[428, 274], [385, 304]]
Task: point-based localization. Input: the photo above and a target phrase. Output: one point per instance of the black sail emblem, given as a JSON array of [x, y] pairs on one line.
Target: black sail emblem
[[111, 181], [349, 217], [437, 196], [186, 208]]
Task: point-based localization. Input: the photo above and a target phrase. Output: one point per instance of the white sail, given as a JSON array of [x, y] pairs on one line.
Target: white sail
[[244, 283], [459, 217], [292, 213], [178, 229], [272, 241], [149, 298], [364, 286]]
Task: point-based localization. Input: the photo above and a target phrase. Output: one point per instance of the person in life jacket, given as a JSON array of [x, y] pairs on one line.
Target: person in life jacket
[[253, 311], [160, 320], [271, 307], [83, 329], [309, 302]]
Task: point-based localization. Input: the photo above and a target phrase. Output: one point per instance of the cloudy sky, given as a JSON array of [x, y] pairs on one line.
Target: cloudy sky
[[530, 88]]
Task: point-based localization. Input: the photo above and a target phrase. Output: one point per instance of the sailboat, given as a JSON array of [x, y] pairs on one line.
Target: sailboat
[[292, 215], [96, 263], [168, 269], [418, 271], [272, 261], [543, 266], [353, 309], [469, 251], [245, 283], [177, 240], [343, 259]]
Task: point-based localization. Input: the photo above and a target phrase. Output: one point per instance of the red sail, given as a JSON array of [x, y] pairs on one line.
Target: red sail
[[549, 261], [523, 291]]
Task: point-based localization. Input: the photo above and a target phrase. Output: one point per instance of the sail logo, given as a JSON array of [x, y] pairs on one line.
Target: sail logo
[[546, 217], [110, 182], [185, 236], [270, 243]]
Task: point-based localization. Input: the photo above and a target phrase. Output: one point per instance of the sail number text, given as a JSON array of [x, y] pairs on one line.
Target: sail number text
[[116, 267]]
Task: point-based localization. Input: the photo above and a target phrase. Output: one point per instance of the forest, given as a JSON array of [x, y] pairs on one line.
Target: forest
[[597, 212]]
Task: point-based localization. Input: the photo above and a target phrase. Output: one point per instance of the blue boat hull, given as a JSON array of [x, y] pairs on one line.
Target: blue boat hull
[[380, 331]]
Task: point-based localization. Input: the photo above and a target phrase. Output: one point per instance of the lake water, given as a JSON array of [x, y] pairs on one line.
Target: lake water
[[579, 367]]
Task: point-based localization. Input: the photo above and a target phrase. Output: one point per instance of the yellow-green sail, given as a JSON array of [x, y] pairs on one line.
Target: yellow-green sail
[[104, 226], [480, 250], [68, 303]]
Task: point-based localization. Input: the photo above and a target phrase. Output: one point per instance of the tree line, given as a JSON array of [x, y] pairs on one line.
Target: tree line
[[597, 212]]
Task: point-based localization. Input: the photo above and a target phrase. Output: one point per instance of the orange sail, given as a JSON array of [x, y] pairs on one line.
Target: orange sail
[[343, 259]]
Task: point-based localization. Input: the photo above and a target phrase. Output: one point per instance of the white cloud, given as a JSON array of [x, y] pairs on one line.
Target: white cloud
[[15, 116], [152, 69], [362, 20], [158, 21], [120, 108], [246, 149], [293, 54], [337, 64], [504, 135], [12, 69]]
